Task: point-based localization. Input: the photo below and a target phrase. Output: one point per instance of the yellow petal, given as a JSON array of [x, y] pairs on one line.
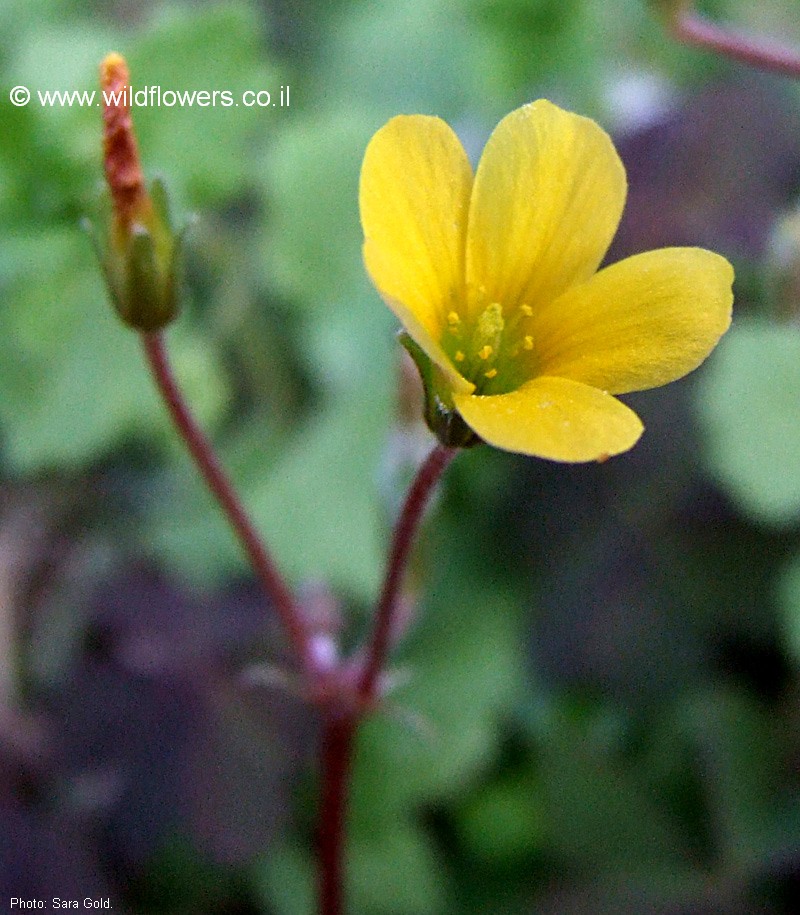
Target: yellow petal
[[431, 347], [553, 418], [548, 196], [414, 199], [640, 323]]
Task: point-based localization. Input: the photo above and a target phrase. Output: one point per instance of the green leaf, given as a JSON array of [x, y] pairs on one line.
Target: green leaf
[[464, 666], [741, 766], [314, 502], [404, 56], [73, 382], [207, 150], [503, 823], [789, 601], [749, 403], [312, 244], [599, 814], [285, 880], [396, 872], [65, 56]]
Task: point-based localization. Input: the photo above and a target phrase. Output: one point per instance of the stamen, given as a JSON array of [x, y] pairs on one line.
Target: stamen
[[453, 319], [527, 342], [490, 374], [485, 352], [460, 357], [526, 310]]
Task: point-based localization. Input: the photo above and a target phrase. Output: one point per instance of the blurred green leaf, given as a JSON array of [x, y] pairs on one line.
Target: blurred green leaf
[[395, 871], [74, 383], [462, 672], [206, 151], [285, 880], [789, 599], [738, 752], [749, 403], [403, 57], [65, 56], [312, 243], [599, 813], [503, 823], [314, 502]]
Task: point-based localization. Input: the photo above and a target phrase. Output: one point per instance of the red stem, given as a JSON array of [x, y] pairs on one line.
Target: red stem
[[337, 750], [220, 486], [341, 725], [693, 29], [403, 539]]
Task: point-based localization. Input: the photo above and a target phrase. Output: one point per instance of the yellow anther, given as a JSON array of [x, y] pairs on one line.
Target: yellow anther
[[490, 374], [526, 310], [460, 357], [453, 319], [485, 352], [527, 343]]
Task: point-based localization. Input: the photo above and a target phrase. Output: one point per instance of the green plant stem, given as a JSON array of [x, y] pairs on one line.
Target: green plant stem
[[221, 488], [692, 29]]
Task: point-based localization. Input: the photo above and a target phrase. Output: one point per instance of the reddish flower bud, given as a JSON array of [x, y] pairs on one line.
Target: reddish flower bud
[[138, 249], [120, 154]]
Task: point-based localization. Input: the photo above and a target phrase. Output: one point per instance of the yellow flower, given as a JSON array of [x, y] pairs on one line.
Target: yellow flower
[[519, 339]]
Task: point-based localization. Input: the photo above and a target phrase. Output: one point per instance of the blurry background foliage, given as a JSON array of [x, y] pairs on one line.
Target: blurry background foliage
[[605, 675]]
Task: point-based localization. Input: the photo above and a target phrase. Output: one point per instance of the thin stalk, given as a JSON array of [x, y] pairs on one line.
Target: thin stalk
[[337, 750], [403, 539], [693, 29], [221, 488], [340, 725]]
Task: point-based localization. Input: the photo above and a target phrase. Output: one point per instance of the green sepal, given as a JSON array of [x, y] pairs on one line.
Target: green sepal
[[440, 413], [141, 267], [160, 200], [150, 301]]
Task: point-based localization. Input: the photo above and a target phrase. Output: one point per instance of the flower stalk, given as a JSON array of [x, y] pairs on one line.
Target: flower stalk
[[221, 488], [340, 724], [338, 735], [138, 252], [403, 539], [692, 29]]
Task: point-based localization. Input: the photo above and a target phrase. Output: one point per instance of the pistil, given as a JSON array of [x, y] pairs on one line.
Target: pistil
[[486, 348]]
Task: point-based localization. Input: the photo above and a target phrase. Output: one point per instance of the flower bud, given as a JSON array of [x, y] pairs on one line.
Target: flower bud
[[136, 244]]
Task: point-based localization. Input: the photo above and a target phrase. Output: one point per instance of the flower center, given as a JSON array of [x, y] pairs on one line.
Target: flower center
[[490, 351]]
